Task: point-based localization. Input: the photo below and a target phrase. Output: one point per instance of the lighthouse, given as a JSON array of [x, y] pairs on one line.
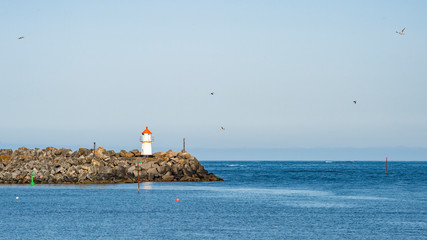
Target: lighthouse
[[146, 141]]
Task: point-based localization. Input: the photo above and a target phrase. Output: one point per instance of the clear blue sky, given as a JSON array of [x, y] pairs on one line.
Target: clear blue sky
[[284, 73]]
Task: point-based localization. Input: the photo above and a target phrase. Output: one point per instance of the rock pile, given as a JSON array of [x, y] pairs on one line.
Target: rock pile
[[53, 165]]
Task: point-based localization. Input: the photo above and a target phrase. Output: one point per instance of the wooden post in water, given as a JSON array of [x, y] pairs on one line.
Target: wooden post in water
[[139, 163], [385, 165]]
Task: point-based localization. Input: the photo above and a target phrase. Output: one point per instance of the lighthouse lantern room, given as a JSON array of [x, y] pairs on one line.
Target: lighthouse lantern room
[[146, 141]]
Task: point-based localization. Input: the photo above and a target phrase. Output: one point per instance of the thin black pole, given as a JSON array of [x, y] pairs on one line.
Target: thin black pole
[[183, 143], [94, 147]]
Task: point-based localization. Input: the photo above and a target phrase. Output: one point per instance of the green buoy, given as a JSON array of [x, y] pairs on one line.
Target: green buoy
[[32, 181]]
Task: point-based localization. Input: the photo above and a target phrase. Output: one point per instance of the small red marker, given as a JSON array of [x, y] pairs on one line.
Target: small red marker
[[177, 199]]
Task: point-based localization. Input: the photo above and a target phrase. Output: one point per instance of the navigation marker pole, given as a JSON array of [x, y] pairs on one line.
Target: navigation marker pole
[[32, 181], [138, 174], [385, 165], [94, 148]]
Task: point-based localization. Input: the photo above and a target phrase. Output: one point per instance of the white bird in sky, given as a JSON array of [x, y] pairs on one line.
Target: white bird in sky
[[401, 32]]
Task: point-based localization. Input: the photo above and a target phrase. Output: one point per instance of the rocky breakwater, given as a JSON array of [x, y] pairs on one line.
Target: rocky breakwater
[[53, 166]]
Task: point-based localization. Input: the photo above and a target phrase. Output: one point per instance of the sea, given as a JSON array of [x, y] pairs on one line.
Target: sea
[[256, 200]]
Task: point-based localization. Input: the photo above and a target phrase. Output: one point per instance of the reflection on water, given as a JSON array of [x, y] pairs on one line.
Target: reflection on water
[[147, 185]]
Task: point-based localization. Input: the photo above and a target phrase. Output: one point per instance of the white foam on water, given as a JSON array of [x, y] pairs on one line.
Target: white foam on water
[[418, 224], [290, 192], [364, 198], [261, 191], [318, 204]]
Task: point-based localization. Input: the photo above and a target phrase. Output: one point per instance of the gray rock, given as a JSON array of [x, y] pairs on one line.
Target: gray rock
[[101, 153], [122, 153], [6, 151], [83, 151], [111, 153], [175, 169], [60, 170], [147, 165], [172, 154], [135, 152], [153, 171], [161, 169], [16, 174], [168, 177], [119, 171], [97, 162], [105, 170], [186, 179], [82, 177], [87, 168]]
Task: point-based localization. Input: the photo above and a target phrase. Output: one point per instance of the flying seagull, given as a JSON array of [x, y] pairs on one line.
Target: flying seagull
[[401, 32], [21, 37], [354, 101], [222, 128], [212, 93]]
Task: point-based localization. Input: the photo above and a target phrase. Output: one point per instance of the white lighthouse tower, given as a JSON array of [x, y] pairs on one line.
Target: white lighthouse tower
[[146, 141]]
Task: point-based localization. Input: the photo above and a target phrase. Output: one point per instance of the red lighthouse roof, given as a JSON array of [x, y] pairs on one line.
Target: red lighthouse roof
[[146, 131]]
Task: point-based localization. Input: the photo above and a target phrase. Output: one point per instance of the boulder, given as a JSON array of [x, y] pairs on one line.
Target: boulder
[[161, 169], [87, 168], [152, 171], [6, 152], [159, 154], [100, 152], [15, 174], [122, 153], [131, 169], [168, 177], [111, 153], [186, 172], [105, 170], [84, 152], [183, 155], [175, 169], [119, 171], [135, 152], [171, 153], [186, 179], [61, 151], [146, 165], [82, 177], [97, 162]]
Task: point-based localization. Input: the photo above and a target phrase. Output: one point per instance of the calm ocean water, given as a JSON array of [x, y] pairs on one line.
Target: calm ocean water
[[257, 200]]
